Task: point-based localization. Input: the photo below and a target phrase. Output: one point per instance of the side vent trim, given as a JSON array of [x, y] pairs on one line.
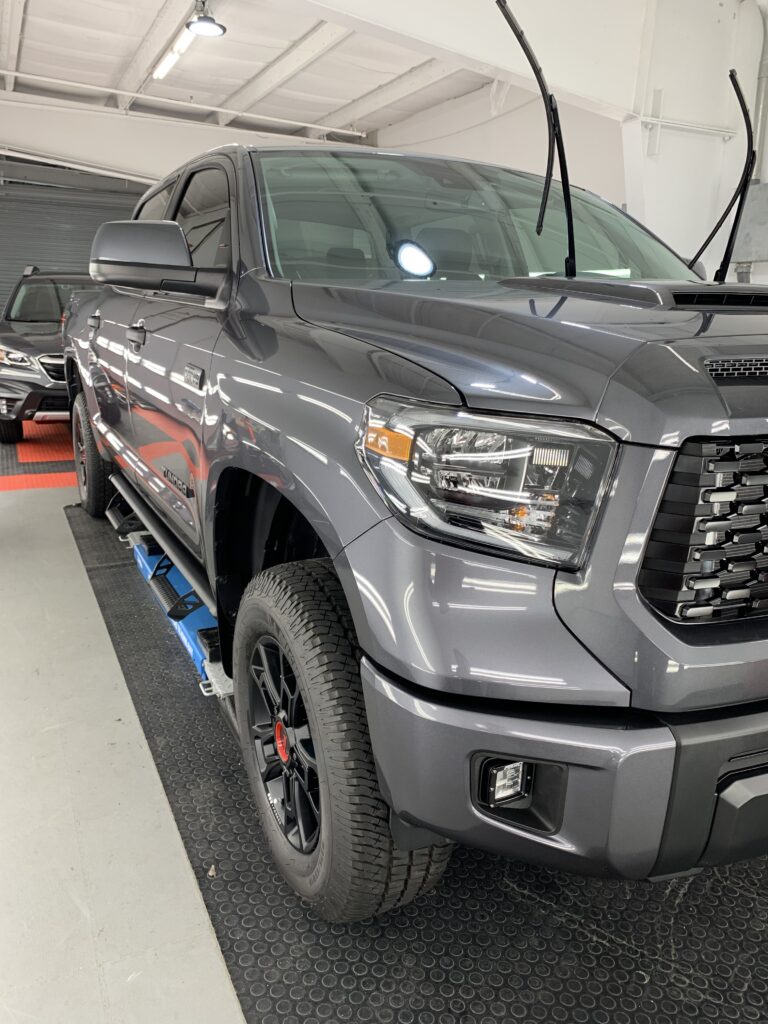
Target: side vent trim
[[738, 372]]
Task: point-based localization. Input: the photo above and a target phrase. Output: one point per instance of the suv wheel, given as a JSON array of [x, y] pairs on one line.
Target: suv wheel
[[11, 431], [304, 736], [92, 473]]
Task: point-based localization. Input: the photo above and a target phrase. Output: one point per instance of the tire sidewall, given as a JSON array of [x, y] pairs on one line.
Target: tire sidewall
[[79, 419], [307, 873]]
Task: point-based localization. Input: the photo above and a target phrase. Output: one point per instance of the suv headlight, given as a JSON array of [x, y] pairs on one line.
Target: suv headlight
[[529, 487], [10, 357]]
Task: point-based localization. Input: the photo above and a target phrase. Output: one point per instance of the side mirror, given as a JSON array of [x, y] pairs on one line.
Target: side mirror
[[700, 270], [151, 254]]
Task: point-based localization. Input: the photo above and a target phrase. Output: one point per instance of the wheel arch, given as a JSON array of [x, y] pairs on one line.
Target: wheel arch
[[255, 526]]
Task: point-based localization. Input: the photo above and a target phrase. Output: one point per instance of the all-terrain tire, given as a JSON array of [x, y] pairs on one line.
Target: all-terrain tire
[[11, 431], [92, 471], [355, 871]]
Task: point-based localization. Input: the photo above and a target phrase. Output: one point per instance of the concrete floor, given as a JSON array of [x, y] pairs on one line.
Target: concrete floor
[[101, 918]]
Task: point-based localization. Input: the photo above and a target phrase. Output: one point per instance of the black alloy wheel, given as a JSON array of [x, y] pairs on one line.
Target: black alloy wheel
[[81, 461], [285, 751], [91, 470]]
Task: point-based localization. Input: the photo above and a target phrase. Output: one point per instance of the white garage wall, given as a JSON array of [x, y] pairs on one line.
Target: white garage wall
[[679, 182], [511, 130]]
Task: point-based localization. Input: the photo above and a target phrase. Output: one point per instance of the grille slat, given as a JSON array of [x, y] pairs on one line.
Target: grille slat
[[54, 367], [707, 557], [732, 372]]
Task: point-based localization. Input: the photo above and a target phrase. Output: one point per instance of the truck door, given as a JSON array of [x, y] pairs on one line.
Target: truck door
[[170, 345], [102, 336]]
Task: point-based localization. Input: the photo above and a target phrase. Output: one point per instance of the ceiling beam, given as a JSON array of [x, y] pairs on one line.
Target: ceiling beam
[[17, 170], [11, 22], [412, 81], [319, 40], [167, 25]]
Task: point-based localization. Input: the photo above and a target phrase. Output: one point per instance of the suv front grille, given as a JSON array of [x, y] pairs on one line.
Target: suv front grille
[[54, 367], [707, 558]]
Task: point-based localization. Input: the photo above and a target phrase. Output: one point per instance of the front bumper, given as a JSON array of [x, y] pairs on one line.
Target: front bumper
[[30, 401], [640, 797]]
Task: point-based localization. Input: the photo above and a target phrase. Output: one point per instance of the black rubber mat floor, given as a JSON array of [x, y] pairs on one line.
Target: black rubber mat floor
[[499, 941]]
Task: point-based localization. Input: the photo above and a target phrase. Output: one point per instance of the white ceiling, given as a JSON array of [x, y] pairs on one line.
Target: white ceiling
[[116, 44]]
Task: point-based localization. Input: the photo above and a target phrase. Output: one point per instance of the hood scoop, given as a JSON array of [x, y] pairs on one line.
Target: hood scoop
[[702, 297], [717, 297], [735, 372]]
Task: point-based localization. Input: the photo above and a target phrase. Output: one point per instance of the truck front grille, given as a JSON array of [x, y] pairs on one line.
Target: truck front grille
[[707, 558]]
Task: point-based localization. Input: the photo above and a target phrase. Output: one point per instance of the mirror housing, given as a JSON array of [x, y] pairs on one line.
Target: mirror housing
[[150, 254], [700, 270]]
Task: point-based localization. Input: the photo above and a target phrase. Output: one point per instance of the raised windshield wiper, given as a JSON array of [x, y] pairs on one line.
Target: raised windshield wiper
[[739, 195], [555, 142]]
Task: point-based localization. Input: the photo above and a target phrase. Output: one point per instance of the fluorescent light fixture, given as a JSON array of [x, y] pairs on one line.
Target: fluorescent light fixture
[[181, 45], [202, 23]]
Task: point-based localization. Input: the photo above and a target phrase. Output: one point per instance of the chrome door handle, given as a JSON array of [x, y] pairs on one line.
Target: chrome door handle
[[136, 335]]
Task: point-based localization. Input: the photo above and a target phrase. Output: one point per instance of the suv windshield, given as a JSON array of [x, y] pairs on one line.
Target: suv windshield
[[343, 216], [42, 301]]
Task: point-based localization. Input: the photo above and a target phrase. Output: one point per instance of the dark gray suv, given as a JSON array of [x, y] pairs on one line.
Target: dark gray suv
[[32, 385], [488, 547]]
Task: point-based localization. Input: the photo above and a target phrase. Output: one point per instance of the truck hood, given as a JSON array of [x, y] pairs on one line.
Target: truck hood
[[31, 339], [636, 368]]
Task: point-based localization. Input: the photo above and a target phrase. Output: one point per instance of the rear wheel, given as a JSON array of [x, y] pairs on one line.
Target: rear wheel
[[11, 431], [304, 736], [92, 472]]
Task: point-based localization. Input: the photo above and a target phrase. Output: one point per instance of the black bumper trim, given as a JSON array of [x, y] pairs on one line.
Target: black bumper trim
[[710, 753]]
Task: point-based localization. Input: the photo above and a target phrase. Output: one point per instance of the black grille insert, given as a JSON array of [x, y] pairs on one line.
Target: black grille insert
[[53, 366], [752, 370], [720, 298], [707, 558]]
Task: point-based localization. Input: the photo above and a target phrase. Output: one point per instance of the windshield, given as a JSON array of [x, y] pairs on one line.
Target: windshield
[[345, 216], [41, 301]]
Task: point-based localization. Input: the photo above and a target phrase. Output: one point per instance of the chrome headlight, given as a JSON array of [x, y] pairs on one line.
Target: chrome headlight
[[531, 488], [10, 357]]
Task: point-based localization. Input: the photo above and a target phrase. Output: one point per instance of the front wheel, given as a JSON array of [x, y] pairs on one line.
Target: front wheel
[[11, 431], [304, 736], [92, 474]]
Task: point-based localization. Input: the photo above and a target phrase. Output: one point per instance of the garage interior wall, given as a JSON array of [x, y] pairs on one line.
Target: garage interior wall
[[506, 125], [649, 116], [51, 227]]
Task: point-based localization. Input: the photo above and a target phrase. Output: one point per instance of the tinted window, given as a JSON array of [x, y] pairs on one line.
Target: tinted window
[[42, 302], [204, 217], [155, 206], [342, 215]]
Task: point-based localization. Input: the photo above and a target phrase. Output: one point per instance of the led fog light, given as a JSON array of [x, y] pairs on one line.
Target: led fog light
[[509, 782]]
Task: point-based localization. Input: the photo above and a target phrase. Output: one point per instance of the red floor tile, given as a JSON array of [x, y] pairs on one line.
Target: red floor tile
[[45, 442], [32, 481]]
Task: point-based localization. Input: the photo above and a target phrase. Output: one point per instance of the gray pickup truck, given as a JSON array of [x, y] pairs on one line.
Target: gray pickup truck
[[487, 545]]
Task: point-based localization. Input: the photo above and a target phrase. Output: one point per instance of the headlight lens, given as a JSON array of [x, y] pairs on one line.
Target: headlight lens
[[529, 487], [9, 357]]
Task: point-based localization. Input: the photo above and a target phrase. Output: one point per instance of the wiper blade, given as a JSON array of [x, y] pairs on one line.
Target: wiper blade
[[740, 195], [555, 142]]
